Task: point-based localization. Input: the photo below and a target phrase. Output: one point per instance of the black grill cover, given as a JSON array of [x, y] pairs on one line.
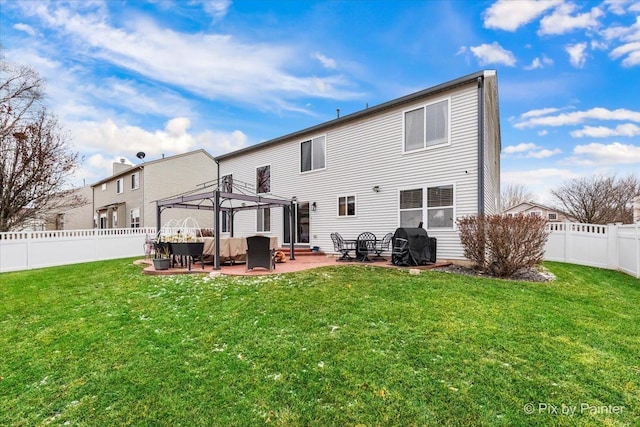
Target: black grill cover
[[419, 250]]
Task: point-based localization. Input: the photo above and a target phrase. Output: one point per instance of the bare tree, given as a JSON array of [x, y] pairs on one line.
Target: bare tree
[[514, 194], [598, 199], [35, 157]]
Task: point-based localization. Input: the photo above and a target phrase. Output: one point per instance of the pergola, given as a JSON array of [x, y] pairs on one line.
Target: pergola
[[222, 201]]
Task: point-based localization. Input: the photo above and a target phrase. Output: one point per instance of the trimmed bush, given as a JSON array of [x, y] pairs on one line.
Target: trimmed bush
[[501, 245]]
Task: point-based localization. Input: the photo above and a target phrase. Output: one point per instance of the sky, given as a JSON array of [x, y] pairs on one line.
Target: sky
[[166, 77]]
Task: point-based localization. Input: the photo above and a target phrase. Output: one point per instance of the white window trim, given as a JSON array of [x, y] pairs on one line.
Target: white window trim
[[120, 186], [554, 214], [425, 217], [255, 177], [355, 201], [424, 141], [300, 155]]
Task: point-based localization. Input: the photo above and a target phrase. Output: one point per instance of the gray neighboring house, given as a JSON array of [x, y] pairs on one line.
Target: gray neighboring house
[[536, 209], [75, 216], [127, 198], [428, 158]]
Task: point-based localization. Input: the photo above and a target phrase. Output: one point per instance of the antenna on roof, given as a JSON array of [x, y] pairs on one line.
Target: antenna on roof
[[140, 155]]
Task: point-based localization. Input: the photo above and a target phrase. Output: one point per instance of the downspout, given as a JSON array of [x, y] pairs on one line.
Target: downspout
[[480, 145]]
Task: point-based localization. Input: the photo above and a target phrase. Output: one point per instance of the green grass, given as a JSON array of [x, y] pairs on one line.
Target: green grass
[[102, 344]]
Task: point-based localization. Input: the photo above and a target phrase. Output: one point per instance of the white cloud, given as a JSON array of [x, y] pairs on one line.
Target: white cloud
[[325, 61], [628, 129], [510, 15], [539, 63], [562, 21], [493, 54], [615, 153], [213, 66], [632, 52], [540, 112], [543, 153], [576, 117], [216, 8], [529, 150], [543, 132], [25, 28], [520, 148], [577, 54]]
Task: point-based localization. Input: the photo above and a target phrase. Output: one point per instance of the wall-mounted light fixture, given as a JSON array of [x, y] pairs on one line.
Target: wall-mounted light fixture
[[376, 189], [294, 199], [314, 206]]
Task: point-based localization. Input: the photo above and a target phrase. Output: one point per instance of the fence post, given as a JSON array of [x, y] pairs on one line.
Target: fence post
[[613, 257], [637, 250], [567, 246]]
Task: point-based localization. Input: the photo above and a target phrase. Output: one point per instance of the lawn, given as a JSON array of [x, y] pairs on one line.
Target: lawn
[[102, 344]]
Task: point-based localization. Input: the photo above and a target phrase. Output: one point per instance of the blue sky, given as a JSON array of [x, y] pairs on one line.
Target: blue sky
[[165, 77]]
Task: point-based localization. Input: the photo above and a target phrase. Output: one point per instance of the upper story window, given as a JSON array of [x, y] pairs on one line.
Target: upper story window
[[313, 154], [226, 184], [553, 216], [263, 179], [535, 213], [427, 126], [347, 206], [135, 181], [120, 186], [104, 186]]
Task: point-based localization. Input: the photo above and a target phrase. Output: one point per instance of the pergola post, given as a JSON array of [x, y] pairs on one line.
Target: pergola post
[[216, 229], [158, 218], [292, 231]]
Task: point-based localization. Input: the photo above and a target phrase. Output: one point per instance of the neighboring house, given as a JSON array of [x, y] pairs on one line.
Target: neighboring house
[[636, 209], [127, 198], [73, 211], [536, 209], [426, 158]]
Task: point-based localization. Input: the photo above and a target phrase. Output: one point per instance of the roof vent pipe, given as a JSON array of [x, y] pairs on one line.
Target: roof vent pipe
[[338, 112]]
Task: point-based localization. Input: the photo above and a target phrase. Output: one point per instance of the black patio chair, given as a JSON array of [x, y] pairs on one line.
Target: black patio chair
[[339, 245], [259, 254], [383, 245], [365, 245]]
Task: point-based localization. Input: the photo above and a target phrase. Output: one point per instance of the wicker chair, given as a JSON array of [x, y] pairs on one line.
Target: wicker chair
[[259, 254]]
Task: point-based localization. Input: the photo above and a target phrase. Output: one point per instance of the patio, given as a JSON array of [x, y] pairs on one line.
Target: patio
[[302, 262]]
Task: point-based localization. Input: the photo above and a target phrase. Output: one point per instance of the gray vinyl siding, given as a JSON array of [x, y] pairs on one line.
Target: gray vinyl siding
[[363, 154]]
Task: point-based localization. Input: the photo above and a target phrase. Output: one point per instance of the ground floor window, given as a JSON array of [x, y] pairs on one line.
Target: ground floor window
[[135, 218], [226, 222], [347, 206], [440, 207], [437, 212], [263, 223], [114, 219]]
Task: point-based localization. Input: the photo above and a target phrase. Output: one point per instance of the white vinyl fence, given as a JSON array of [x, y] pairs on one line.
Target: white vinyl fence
[[34, 249], [616, 247]]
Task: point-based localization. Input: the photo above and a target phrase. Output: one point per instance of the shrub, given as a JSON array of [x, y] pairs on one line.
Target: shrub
[[501, 245]]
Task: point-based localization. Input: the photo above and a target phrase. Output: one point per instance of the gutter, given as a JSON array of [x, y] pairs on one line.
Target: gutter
[[481, 145]]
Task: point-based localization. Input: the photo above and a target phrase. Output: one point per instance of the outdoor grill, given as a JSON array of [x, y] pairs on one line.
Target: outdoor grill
[[413, 246]]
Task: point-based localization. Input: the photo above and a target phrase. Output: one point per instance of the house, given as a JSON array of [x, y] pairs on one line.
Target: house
[[72, 210], [428, 158], [536, 209], [127, 199], [636, 209]]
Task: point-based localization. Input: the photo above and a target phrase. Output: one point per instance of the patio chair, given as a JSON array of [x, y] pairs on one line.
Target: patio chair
[[383, 245], [365, 244], [259, 254], [342, 247]]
